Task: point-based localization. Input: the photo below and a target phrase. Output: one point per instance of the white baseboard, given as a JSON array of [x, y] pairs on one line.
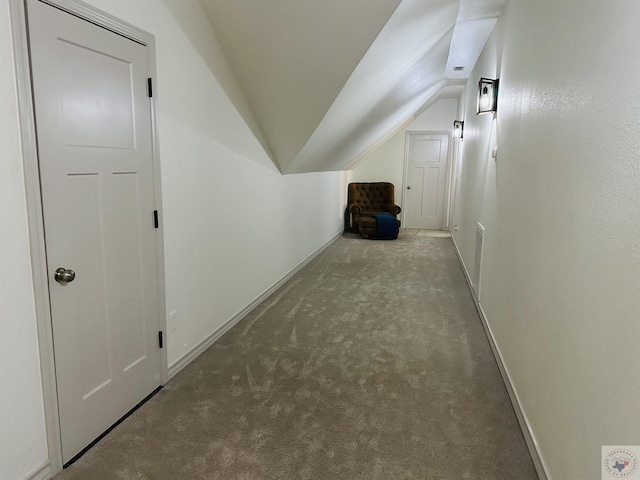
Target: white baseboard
[[527, 433], [192, 354], [42, 472]]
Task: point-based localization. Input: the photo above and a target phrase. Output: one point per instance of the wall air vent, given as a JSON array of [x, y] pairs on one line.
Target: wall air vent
[[477, 260], [458, 69]]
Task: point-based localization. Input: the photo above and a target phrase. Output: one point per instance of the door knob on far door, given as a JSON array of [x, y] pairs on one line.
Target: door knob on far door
[[408, 187], [64, 275]]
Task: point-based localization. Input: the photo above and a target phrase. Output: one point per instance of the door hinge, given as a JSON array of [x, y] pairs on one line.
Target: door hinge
[[150, 87], [160, 342], [155, 219]]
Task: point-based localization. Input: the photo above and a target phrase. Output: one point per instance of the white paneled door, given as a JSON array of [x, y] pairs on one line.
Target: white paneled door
[[93, 121], [425, 185]]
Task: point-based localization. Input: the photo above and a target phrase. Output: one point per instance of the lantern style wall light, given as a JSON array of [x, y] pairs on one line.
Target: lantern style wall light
[[458, 128], [487, 95]]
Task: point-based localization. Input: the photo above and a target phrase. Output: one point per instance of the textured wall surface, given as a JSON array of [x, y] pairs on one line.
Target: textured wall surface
[[22, 438], [562, 211]]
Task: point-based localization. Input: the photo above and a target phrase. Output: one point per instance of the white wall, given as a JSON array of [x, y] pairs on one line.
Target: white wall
[[233, 224], [386, 163], [561, 207], [22, 432]]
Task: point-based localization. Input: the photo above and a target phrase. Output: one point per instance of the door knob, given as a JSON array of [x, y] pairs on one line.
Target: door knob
[[408, 187], [64, 276]]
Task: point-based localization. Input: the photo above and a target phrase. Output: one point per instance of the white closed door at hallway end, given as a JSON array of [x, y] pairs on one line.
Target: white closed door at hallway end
[[427, 159], [93, 122]]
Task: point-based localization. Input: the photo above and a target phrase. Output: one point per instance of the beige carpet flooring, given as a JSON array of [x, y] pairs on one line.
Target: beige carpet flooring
[[369, 364]]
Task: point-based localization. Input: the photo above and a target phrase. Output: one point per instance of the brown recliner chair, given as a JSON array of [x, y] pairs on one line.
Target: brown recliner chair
[[365, 199]]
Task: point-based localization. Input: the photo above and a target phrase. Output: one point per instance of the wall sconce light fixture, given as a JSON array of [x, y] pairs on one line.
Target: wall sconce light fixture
[[458, 128], [487, 95]]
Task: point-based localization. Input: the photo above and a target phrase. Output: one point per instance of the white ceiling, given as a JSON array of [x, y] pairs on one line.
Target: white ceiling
[[476, 19], [330, 80]]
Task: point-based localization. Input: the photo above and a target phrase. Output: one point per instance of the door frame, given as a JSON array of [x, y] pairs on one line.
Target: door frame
[[447, 181], [35, 219]]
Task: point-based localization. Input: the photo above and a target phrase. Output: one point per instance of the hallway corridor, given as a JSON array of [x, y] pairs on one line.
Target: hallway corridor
[[371, 363]]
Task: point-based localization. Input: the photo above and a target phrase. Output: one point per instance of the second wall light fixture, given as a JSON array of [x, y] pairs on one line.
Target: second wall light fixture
[[487, 95], [458, 128]]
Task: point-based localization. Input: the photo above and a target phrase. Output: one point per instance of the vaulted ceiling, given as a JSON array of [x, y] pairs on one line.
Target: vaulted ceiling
[[329, 80]]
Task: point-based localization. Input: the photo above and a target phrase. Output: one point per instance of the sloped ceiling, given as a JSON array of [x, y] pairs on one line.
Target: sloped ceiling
[[328, 80]]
